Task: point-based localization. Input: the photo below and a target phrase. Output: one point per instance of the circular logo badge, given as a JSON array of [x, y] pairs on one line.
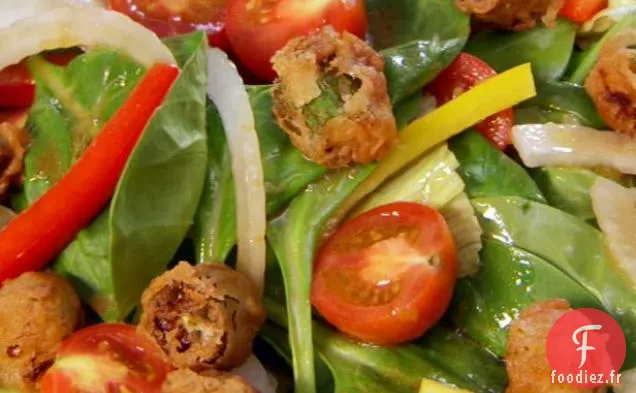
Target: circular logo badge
[[585, 348]]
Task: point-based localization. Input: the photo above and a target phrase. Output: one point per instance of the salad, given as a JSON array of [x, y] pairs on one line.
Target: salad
[[312, 195]]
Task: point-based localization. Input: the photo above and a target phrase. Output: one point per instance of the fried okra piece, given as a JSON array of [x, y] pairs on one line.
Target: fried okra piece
[[514, 15], [12, 149], [185, 380], [526, 362], [612, 83], [203, 317], [37, 312], [331, 98]]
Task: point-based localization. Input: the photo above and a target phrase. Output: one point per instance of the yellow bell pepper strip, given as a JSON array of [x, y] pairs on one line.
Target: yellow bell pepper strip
[[491, 96], [430, 386], [38, 234]]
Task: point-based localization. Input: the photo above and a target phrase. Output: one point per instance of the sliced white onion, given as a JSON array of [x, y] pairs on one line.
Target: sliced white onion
[[574, 145], [6, 215], [12, 10], [85, 26], [227, 91], [615, 210], [254, 373]]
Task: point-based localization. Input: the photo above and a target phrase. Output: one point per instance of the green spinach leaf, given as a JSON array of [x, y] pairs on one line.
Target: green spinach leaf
[[71, 105], [509, 280], [568, 189], [113, 259], [488, 172], [559, 102], [418, 39], [548, 49], [359, 368], [294, 236], [569, 244], [285, 169], [587, 59]]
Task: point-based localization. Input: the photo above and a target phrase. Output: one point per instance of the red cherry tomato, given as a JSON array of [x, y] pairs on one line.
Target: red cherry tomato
[[257, 29], [106, 358], [172, 17], [387, 275], [580, 11], [17, 88], [463, 74]]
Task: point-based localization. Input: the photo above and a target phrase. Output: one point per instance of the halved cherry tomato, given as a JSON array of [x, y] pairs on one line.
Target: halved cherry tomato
[[172, 17], [257, 29], [17, 88], [580, 11], [463, 74], [387, 275], [106, 358]]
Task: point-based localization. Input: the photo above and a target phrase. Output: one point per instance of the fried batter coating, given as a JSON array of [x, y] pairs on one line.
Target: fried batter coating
[[37, 311], [514, 15], [202, 317], [612, 83], [332, 99], [12, 149], [188, 381], [526, 362]]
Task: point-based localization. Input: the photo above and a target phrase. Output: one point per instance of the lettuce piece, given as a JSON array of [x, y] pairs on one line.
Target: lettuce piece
[[113, 259]]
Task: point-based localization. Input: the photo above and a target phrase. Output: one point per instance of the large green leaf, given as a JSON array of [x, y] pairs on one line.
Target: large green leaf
[[548, 49], [509, 280], [559, 102], [571, 245], [293, 236], [71, 105], [488, 172], [360, 368], [418, 39], [113, 259]]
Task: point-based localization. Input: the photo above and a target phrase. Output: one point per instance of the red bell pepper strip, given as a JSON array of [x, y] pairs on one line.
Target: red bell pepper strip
[[580, 11], [42, 231]]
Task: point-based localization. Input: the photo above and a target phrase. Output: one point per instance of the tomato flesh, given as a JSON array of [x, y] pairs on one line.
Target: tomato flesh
[[172, 17], [106, 358], [257, 29], [386, 276], [17, 88], [580, 11], [463, 74]]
